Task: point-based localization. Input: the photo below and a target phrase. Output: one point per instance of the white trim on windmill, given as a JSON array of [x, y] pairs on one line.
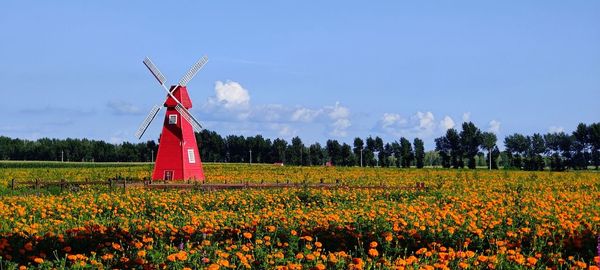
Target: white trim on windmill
[[185, 113]]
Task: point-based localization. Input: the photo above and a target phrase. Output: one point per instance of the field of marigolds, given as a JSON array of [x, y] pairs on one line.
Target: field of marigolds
[[463, 220]]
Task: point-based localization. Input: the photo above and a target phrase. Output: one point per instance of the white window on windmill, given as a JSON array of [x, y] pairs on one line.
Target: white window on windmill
[[191, 156], [173, 119]]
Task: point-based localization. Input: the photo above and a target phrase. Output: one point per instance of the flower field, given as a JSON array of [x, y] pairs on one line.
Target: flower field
[[466, 220]]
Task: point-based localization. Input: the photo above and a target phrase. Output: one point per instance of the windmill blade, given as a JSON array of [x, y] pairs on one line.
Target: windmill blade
[[193, 70], [147, 121], [188, 117], [154, 70]]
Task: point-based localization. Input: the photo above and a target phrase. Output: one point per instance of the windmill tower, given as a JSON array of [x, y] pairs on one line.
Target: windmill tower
[[178, 157]]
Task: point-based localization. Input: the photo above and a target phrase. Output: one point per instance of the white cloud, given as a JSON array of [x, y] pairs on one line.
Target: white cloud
[[338, 111], [305, 115], [283, 130], [231, 95], [425, 120], [341, 122], [447, 123], [340, 127], [421, 124], [494, 126], [118, 137], [556, 129], [123, 108], [231, 103], [392, 119], [466, 116]]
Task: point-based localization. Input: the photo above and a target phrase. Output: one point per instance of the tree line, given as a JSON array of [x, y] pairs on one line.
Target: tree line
[[557, 150], [215, 148], [468, 147]]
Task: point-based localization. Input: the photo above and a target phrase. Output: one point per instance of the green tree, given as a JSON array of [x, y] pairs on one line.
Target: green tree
[[358, 148], [348, 158], [397, 153], [580, 147], [419, 152], [316, 154], [278, 150], [594, 139], [470, 140], [516, 146], [368, 153], [406, 152], [334, 149], [488, 140], [296, 151]]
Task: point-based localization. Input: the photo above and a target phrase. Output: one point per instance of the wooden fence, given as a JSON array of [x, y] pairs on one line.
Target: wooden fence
[[160, 184]]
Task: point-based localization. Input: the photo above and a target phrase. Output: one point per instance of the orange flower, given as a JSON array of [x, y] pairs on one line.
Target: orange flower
[[373, 252], [320, 266], [389, 237], [141, 253], [116, 246], [28, 246], [38, 260], [373, 244], [172, 257], [213, 267], [181, 255], [247, 235]]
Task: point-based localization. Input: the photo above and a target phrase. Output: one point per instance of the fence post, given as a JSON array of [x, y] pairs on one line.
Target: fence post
[[62, 183], [110, 183], [12, 184], [124, 184], [37, 183]]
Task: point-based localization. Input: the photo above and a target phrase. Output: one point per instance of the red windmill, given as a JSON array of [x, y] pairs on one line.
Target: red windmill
[[178, 157]]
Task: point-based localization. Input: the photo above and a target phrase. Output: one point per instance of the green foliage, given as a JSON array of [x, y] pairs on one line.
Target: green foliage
[[419, 152]]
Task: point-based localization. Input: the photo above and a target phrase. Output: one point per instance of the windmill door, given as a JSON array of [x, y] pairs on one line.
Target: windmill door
[[168, 175]]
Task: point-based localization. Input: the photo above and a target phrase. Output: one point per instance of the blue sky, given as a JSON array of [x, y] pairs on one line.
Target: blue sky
[[315, 69]]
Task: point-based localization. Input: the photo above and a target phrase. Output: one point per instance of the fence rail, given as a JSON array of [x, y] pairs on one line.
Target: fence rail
[[161, 184]]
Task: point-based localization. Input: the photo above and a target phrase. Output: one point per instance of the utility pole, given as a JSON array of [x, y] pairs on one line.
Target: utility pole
[[431, 159], [152, 156], [62, 156], [361, 150], [301, 150], [490, 154], [250, 156]]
